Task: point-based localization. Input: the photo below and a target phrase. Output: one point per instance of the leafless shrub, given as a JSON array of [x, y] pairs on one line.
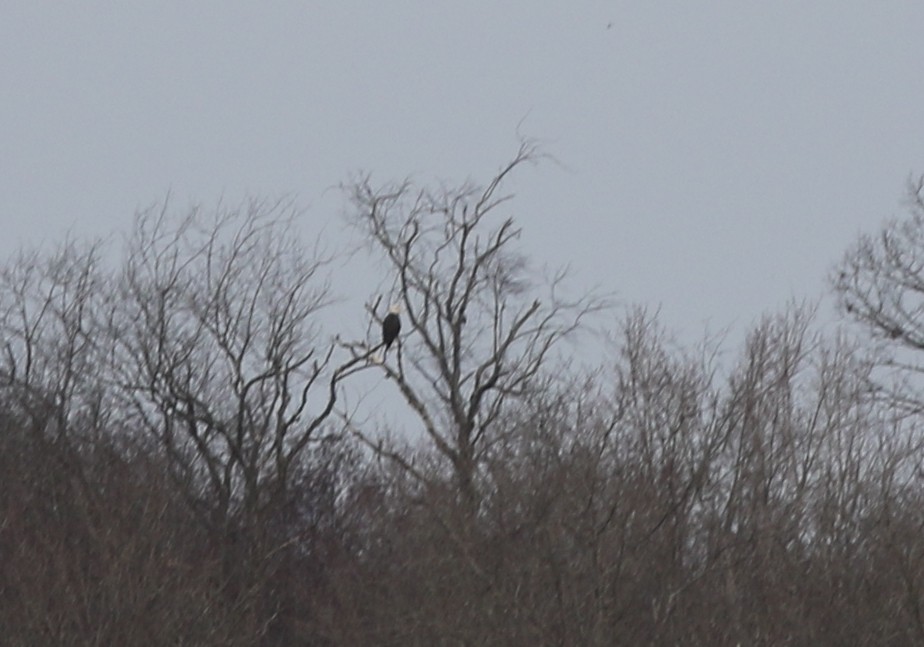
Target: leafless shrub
[[107, 556]]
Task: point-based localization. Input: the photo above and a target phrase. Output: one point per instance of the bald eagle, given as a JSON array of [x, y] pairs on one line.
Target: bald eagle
[[391, 326]]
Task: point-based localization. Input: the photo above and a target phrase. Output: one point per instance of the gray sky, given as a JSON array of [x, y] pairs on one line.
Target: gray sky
[[716, 157]]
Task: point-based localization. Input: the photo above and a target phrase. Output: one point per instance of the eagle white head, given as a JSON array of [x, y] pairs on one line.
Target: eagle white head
[[395, 309]]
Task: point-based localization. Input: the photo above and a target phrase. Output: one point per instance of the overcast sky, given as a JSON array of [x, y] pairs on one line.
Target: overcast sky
[[716, 158]]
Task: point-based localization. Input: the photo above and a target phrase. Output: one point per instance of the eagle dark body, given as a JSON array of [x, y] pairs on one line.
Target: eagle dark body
[[391, 326]]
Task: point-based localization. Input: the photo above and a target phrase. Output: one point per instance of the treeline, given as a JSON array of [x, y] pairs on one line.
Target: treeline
[[182, 463]]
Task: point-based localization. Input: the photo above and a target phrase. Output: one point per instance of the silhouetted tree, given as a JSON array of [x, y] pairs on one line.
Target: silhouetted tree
[[478, 327], [218, 352], [880, 284]]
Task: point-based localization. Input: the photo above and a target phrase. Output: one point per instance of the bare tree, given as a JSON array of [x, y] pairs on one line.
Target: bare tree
[[880, 284], [477, 336], [218, 351], [53, 355], [203, 362]]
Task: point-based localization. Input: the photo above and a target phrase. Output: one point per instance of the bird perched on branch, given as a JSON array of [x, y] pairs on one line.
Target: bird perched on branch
[[391, 326]]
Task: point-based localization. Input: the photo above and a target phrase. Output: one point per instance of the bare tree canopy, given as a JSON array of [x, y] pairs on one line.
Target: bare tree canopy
[[217, 346], [881, 279], [179, 465], [480, 327], [880, 284]]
